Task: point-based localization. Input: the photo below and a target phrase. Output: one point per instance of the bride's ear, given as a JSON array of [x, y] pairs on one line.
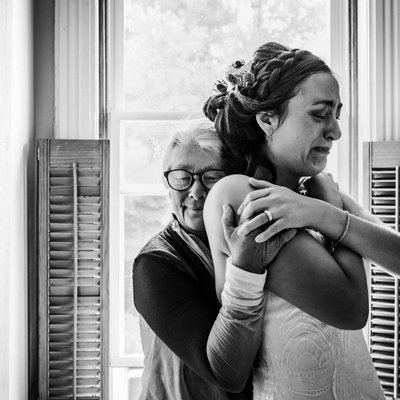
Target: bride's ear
[[267, 121]]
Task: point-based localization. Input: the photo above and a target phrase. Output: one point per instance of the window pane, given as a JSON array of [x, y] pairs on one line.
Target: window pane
[[175, 50], [143, 150], [144, 216]]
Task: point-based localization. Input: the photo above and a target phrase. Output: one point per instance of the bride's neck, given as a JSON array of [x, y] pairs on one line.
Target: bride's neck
[[287, 180]]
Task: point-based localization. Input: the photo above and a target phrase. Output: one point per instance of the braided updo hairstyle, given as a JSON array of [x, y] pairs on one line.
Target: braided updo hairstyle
[[273, 78]]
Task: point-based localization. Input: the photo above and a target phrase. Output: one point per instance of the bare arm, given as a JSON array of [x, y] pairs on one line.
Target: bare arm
[[332, 289], [370, 238], [366, 235]]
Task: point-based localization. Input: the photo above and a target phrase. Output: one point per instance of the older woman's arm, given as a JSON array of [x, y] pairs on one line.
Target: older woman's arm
[[230, 349], [177, 310]]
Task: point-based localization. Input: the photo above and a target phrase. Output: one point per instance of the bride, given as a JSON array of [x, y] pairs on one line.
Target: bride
[[277, 123]]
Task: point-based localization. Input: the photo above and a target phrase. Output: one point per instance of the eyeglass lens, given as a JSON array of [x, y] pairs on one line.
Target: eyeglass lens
[[182, 180]]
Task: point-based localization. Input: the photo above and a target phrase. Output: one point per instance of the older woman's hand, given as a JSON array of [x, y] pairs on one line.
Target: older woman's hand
[[246, 253]]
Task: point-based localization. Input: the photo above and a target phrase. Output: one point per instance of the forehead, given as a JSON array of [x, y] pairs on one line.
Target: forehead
[[193, 158], [319, 88]]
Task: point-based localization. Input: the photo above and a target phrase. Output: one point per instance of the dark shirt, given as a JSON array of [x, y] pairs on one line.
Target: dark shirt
[[175, 294]]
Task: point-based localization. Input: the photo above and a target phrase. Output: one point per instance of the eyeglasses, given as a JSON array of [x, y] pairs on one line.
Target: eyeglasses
[[180, 179]]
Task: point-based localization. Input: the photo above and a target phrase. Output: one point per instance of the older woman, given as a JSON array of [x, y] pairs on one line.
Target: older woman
[[277, 123], [174, 288], [173, 280]]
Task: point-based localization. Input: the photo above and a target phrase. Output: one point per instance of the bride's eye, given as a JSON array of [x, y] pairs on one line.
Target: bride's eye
[[319, 116]]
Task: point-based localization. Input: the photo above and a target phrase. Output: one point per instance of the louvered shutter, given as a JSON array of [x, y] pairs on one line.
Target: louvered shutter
[[73, 186], [381, 168]]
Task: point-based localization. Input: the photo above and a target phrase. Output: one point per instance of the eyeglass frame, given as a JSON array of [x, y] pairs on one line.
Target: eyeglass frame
[[192, 175]]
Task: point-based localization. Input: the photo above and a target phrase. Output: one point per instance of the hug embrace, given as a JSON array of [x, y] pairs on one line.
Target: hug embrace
[[256, 289]]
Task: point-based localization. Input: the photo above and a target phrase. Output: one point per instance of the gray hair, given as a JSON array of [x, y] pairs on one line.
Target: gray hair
[[198, 132]]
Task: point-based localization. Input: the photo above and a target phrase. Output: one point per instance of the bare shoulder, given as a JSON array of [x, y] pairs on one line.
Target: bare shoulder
[[231, 190]]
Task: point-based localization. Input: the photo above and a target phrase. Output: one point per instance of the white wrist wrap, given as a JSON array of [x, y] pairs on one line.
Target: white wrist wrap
[[242, 288]]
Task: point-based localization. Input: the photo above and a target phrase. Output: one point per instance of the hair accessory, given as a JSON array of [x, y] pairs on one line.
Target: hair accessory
[[334, 243], [248, 80], [238, 63], [268, 214], [238, 78], [239, 73], [221, 86], [302, 188]]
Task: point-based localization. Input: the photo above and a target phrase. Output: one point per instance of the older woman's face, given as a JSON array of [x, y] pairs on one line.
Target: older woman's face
[[188, 204], [301, 144]]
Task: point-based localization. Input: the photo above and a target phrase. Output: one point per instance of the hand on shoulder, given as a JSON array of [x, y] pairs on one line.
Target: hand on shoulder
[[279, 205], [246, 253], [228, 194]]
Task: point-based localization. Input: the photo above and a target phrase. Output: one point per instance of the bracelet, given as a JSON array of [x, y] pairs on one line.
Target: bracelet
[[334, 243]]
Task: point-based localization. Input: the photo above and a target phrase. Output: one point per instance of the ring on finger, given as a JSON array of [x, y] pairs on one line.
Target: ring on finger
[[268, 214]]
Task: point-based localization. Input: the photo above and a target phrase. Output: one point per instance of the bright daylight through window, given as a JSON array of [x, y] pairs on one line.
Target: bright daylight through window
[[166, 57]]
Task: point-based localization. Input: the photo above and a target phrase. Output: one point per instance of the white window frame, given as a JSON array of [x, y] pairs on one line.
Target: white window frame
[[116, 116]]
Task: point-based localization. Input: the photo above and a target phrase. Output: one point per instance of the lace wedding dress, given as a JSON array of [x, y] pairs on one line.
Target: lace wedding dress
[[303, 358]]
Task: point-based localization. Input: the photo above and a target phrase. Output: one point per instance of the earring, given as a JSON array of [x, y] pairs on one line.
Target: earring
[[268, 136]]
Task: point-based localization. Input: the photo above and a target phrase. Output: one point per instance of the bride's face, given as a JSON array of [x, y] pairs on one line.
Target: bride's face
[[301, 144]]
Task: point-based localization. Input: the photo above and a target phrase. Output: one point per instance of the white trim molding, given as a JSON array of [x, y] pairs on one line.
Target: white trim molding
[[76, 69], [5, 219]]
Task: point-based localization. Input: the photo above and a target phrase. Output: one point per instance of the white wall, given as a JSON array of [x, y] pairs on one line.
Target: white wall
[[17, 140]]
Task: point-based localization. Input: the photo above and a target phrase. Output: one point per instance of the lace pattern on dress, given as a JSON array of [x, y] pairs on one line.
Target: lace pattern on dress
[[303, 358]]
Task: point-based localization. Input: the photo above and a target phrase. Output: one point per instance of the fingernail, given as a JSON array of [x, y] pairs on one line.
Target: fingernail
[[240, 209], [258, 239]]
